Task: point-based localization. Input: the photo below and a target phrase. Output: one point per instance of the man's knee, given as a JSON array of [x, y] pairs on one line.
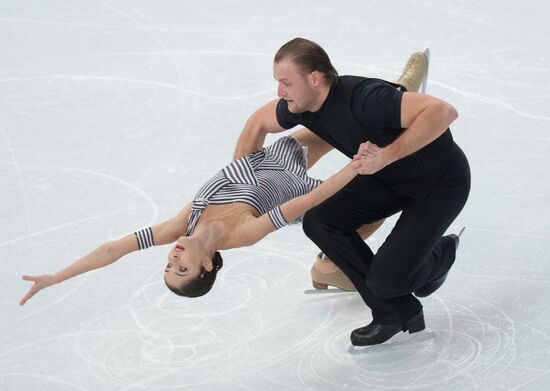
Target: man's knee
[[313, 223], [385, 282], [384, 289]]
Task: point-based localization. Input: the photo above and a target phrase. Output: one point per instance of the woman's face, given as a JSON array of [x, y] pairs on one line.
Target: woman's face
[[185, 260]]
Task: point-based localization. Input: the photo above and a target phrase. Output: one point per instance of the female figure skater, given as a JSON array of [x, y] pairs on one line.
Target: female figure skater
[[241, 204], [244, 202]]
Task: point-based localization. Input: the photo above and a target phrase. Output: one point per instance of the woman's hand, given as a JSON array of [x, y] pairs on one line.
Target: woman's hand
[[370, 158], [40, 282]]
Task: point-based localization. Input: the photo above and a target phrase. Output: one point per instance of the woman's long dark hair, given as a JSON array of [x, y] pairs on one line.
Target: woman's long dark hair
[[202, 284]]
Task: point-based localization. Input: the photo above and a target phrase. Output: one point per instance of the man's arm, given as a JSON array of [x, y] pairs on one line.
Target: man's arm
[[425, 118], [262, 122]]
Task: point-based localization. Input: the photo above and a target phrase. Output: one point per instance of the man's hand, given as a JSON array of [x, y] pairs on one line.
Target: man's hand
[[370, 158], [40, 282]]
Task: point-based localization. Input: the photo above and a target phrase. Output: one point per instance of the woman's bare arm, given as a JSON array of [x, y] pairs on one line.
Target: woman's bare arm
[[110, 252], [256, 228]]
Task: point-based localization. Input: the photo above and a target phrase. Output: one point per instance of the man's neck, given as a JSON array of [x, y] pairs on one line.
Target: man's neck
[[323, 93]]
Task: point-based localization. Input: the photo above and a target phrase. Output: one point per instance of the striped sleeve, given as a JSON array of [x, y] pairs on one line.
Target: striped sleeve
[[277, 217], [145, 238]]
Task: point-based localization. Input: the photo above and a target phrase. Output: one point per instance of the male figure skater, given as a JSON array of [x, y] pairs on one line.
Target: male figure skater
[[409, 164]]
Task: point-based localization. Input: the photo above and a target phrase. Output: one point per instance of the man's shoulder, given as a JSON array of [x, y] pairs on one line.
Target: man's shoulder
[[353, 79], [360, 93], [356, 86], [350, 81]]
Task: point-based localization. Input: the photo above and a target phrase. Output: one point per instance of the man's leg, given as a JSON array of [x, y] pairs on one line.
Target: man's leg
[[415, 254], [333, 226], [324, 272]]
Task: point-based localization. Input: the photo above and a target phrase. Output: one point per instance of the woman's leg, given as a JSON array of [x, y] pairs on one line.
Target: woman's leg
[[325, 273]]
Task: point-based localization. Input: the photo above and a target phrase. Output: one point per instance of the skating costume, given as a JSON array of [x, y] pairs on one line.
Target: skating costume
[[429, 187], [264, 179]]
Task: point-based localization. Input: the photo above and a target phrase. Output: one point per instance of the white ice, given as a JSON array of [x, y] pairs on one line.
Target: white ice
[[113, 113]]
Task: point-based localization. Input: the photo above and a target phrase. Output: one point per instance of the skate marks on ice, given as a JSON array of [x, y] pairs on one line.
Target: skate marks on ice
[[464, 347], [154, 74]]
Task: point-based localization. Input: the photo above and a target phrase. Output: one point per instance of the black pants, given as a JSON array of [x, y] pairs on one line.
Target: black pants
[[413, 254]]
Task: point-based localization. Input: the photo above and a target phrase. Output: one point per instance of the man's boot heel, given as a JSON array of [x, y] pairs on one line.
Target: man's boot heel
[[416, 324]]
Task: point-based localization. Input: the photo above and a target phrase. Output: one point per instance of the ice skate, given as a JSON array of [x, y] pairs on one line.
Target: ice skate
[[325, 273], [415, 72]]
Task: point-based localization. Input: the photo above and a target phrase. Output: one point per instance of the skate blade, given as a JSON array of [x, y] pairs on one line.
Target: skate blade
[[425, 79]]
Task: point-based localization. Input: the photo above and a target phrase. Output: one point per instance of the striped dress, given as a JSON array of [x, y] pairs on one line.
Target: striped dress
[[264, 179]]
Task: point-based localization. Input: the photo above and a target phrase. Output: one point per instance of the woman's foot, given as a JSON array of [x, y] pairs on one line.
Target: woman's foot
[[415, 72], [325, 273]]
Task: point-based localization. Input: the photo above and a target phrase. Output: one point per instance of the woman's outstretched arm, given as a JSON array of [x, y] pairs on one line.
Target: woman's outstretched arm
[[108, 253], [256, 228]]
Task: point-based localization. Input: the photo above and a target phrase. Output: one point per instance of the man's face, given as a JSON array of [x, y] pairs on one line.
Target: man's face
[[293, 86]]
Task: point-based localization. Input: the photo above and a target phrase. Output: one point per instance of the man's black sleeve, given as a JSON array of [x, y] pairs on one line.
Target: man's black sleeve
[[377, 105]]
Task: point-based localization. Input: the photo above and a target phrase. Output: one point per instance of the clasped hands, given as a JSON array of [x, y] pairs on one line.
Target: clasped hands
[[370, 158]]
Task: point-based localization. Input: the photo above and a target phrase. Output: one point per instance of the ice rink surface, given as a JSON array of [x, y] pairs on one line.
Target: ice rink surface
[[113, 114]]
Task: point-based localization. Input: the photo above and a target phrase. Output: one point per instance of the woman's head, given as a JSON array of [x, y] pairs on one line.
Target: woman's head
[[190, 271]]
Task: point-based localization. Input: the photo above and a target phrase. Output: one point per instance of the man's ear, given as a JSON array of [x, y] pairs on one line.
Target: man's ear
[[315, 78]]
